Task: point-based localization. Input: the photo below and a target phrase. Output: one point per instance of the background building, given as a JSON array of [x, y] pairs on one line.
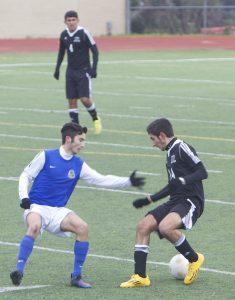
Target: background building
[[43, 18]]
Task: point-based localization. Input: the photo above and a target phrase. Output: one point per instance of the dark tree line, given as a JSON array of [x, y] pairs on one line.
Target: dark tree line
[[178, 21]]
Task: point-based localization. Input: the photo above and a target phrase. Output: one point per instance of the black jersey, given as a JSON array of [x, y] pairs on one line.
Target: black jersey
[[77, 45], [182, 160]]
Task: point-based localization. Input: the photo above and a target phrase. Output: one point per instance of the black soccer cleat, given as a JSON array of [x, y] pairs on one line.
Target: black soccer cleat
[[16, 277], [79, 283]]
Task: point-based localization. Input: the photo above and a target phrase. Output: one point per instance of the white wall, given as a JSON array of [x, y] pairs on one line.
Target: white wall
[[44, 18]]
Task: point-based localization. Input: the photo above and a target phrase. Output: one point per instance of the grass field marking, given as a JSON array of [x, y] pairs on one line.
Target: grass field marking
[[215, 171], [21, 288], [215, 155], [148, 78], [215, 122], [114, 258], [130, 61], [87, 152], [132, 132], [147, 173], [120, 191], [118, 94], [171, 79], [141, 107]]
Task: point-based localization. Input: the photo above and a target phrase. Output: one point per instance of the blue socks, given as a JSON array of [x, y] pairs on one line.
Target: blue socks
[[80, 252], [25, 249]]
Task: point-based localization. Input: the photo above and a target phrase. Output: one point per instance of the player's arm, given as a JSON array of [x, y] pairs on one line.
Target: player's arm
[[95, 53], [164, 192], [109, 181], [199, 173], [60, 58], [27, 177]]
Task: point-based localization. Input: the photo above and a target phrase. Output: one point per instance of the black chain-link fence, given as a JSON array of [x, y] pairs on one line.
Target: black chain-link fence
[[182, 16]]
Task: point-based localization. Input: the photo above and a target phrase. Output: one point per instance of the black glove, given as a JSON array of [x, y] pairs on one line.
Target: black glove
[[57, 74], [25, 203], [176, 183], [92, 72], [137, 181], [141, 202]]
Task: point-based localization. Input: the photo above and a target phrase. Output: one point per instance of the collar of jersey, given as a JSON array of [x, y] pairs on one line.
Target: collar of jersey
[[64, 155], [73, 33], [172, 143]]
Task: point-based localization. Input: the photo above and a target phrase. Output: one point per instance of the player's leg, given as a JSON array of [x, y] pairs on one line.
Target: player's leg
[[76, 225], [183, 215], [84, 90], [144, 228], [73, 110], [72, 95], [34, 224]]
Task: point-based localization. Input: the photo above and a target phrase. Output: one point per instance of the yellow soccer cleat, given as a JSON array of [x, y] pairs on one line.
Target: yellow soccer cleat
[[136, 281], [97, 126], [193, 270]]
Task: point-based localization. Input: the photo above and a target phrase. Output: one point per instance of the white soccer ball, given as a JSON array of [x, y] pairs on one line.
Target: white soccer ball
[[178, 266]]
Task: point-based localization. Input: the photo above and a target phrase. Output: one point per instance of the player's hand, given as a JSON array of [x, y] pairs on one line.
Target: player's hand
[[57, 74], [25, 203], [137, 181], [93, 73], [138, 203], [176, 183]]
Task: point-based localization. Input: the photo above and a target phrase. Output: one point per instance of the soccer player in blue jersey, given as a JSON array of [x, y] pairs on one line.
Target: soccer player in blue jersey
[[54, 174]]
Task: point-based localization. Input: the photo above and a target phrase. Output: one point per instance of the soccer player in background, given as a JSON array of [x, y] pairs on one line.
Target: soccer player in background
[[78, 43], [185, 174], [54, 174]]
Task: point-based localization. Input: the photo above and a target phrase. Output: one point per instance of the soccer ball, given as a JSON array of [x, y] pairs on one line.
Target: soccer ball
[[178, 266]]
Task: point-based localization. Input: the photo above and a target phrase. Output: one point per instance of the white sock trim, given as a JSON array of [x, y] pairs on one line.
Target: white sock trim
[[180, 241], [142, 248], [92, 107], [75, 110]]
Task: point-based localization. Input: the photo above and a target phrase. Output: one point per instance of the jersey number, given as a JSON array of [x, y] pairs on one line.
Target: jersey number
[[71, 47]]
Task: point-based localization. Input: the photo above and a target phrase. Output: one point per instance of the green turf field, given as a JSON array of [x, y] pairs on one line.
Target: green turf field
[[131, 90]]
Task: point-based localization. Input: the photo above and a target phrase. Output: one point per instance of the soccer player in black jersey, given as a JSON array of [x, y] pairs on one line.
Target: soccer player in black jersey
[[185, 205], [78, 43]]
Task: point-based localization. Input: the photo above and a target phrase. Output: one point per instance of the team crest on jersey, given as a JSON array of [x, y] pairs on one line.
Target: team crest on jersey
[[77, 39], [71, 174], [173, 160]]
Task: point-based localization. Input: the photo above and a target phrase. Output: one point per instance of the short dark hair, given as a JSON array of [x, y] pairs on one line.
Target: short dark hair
[[160, 125], [72, 129], [71, 14]]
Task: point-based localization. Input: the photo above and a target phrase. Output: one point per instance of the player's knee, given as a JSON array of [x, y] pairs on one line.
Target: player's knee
[[164, 229], [82, 228], [142, 228], [33, 230]]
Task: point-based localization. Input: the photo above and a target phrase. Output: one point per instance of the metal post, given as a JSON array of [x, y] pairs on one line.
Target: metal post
[[205, 14], [128, 17]]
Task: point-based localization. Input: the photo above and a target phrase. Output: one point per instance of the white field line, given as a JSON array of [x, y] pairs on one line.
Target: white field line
[[118, 94], [169, 79], [129, 61], [108, 144], [215, 122], [148, 78], [21, 288], [159, 174], [113, 258], [148, 174], [140, 107], [215, 171], [118, 191]]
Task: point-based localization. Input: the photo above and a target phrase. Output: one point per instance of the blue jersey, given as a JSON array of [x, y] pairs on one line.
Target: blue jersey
[[56, 181]]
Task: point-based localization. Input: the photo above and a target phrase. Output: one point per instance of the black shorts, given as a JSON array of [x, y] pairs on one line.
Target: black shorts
[[188, 209], [78, 84]]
